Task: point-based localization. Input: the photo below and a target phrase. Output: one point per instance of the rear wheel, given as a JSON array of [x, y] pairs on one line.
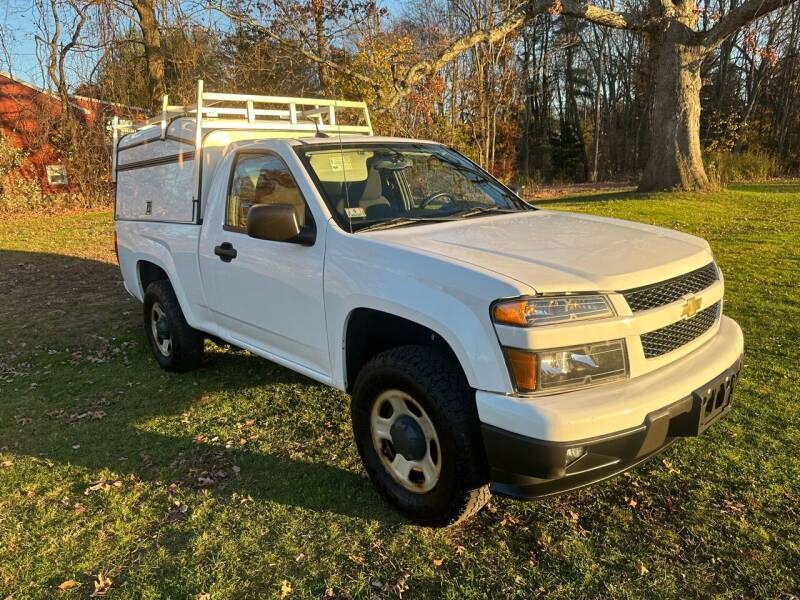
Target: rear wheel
[[175, 345], [418, 434]]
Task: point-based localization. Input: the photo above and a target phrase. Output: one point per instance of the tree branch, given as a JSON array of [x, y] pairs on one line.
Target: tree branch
[[507, 26], [599, 16], [297, 47], [418, 72], [738, 18]]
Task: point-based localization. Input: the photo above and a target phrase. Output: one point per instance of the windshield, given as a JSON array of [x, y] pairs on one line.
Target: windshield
[[376, 185]]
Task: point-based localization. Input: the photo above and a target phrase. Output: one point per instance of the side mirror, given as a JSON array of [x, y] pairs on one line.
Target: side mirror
[[274, 222]]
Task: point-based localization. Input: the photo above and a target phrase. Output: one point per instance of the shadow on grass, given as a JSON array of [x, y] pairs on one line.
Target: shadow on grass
[[87, 294]]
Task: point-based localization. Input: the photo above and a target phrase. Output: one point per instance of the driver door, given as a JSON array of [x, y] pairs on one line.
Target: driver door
[[266, 295]]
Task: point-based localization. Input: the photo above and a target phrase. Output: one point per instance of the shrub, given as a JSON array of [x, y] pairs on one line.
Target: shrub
[[17, 192], [726, 167]]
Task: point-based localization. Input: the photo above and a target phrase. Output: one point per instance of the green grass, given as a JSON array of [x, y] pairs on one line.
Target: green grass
[[241, 480]]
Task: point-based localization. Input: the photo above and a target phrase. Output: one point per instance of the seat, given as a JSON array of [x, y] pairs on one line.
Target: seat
[[371, 199]]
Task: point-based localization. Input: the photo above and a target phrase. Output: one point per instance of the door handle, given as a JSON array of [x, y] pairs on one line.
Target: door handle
[[226, 252]]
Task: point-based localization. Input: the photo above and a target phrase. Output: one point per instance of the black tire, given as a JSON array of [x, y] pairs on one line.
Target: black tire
[[186, 344], [435, 381]]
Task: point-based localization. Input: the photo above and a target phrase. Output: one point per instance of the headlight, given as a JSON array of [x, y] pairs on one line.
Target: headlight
[[567, 368], [530, 312]]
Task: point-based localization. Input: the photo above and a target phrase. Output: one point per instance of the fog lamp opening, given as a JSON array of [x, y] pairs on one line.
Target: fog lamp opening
[[574, 454]]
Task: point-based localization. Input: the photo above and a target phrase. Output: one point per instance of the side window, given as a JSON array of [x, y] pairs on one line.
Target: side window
[[261, 179]]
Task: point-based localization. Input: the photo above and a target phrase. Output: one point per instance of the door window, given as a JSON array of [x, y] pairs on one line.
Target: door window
[[262, 179]]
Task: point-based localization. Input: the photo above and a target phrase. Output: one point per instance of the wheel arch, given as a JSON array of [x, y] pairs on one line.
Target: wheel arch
[[369, 331], [147, 272]]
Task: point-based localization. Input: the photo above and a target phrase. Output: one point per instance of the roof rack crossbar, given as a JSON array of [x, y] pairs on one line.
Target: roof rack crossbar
[[249, 111]]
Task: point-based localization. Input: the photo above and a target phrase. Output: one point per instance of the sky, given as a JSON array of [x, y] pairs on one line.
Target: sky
[[18, 36]]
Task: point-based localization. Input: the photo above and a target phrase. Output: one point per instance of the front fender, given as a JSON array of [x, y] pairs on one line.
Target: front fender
[[445, 296]]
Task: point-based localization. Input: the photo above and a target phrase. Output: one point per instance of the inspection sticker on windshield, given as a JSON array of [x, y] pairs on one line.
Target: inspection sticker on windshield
[[356, 212], [339, 163]]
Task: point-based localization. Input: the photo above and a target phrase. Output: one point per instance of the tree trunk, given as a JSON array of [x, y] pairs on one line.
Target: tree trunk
[[318, 10], [675, 161], [153, 53]]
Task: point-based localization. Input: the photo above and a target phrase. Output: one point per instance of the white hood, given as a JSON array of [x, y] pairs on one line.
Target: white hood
[[558, 251]]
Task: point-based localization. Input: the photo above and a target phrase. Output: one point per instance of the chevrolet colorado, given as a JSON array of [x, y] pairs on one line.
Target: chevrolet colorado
[[487, 345]]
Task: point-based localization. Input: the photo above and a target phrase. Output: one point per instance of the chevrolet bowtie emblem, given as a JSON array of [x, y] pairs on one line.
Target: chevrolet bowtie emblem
[[691, 307]]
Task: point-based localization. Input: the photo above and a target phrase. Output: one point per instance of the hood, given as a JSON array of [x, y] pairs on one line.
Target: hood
[[554, 251]]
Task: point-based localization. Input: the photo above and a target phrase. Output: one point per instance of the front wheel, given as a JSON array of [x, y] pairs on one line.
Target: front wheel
[[417, 431]]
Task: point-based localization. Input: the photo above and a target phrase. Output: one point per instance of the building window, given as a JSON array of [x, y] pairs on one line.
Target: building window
[[57, 175]]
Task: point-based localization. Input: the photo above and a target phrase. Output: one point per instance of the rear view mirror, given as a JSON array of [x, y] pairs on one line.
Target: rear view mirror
[[274, 222]]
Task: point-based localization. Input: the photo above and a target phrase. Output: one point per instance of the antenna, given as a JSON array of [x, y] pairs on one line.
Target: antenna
[[345, 187]]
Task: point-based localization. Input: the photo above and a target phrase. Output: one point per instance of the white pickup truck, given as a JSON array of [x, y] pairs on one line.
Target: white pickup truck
[[486, 344]]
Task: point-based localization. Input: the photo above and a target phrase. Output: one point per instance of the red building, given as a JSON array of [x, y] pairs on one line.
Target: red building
[[27, 115]]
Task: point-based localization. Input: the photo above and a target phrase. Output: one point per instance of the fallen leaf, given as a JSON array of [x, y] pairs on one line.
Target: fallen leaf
[[69, 584], [203, 596], [286, 589], [438, 562], [102, 585], [359, 560], [642, 569], [79, 509]]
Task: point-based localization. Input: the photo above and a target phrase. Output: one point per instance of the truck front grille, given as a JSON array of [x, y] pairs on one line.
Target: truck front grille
[[671, 290], [678, 334]]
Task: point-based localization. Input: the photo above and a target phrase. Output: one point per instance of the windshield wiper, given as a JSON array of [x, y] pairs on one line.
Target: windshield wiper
[[400, 222], [479, 210]]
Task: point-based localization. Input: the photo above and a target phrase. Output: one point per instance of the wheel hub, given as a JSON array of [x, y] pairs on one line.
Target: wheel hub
[[408, 438], [405, 439], [162, 327]]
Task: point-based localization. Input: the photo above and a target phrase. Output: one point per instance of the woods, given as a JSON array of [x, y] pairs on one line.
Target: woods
[[674, 95]]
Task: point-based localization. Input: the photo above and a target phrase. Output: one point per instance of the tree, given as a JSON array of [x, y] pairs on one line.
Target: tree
[[677, 53], [154, 56]]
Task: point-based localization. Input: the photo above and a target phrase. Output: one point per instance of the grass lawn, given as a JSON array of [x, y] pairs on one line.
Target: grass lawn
[[241, 480]]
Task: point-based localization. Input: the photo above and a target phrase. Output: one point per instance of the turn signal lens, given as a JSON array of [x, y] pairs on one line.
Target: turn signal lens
[[511, 313], [545, 310], [524, 368]]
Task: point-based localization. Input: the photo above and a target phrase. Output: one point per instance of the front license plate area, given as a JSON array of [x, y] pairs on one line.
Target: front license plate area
[[714, 399]]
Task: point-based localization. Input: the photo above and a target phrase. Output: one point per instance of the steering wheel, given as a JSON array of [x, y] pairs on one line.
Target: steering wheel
[[436, 196]]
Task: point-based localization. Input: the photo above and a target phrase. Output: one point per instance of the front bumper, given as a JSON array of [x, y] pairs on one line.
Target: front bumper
[[528, 467]]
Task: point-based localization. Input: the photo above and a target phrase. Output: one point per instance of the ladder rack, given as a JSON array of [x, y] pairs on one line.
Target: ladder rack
[[270, 112], [214, 110]]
